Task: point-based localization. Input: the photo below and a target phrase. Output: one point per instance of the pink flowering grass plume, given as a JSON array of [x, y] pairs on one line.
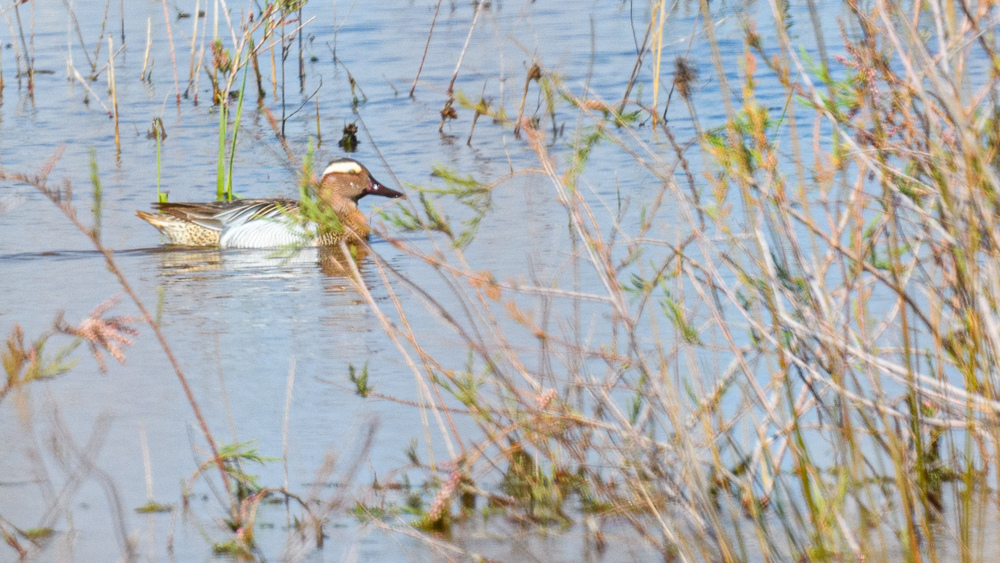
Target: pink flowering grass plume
[[441, 500], [110, 334]]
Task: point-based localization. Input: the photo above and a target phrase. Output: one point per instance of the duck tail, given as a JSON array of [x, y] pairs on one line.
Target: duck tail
[[157, 220], [180, 231]]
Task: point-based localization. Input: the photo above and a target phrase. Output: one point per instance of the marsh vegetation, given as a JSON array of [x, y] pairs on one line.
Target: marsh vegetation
[[674, 281]]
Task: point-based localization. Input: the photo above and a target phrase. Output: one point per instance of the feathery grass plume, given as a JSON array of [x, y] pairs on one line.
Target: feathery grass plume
[[108, 334], [685, 74]]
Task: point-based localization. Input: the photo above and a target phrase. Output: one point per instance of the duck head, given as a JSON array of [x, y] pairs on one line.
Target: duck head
[[346, 178]]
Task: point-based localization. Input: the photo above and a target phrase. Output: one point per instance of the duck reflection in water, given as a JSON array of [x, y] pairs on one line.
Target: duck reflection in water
[[181, 264], [336, 261]]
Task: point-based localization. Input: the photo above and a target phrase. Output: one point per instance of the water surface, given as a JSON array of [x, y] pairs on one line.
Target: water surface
[[240, 321]]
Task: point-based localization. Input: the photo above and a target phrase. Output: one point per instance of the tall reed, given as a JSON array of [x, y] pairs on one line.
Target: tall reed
[[802, 367]]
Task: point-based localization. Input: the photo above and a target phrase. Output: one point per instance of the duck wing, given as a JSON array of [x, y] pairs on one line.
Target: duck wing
[[246, 223], [224, 215]]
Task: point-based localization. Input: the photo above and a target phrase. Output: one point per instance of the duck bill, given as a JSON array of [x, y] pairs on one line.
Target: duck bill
[[379, 189]]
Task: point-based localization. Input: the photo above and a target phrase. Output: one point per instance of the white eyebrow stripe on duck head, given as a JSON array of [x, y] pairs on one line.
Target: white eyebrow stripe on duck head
[[343, 167]]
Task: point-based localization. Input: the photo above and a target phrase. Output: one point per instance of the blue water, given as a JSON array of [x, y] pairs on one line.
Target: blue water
[[240, 321]]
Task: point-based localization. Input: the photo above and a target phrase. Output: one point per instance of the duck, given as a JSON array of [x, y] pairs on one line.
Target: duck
[[271, 222]]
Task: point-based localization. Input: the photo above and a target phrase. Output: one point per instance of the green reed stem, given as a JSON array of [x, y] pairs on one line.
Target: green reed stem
[[159, 170], [220, 173], [95, 179], [158, 132], [236, 130]]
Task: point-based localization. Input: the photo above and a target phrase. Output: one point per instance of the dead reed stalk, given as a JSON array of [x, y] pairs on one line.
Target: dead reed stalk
[[113, 90], [62, 198], [850, 307]]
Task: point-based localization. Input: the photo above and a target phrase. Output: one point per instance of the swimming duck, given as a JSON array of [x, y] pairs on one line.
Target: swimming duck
[[269, 222]]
